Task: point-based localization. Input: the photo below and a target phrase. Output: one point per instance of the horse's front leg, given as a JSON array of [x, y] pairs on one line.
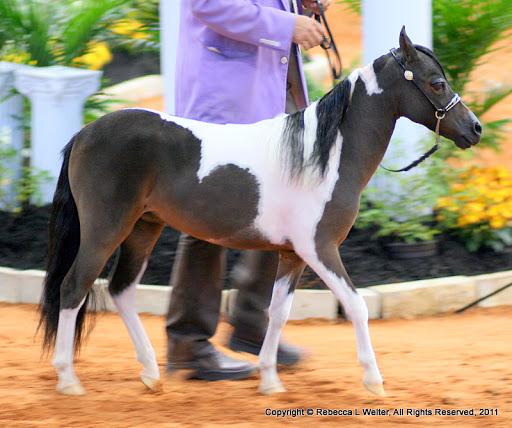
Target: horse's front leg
[[326, 262], [288, 274]]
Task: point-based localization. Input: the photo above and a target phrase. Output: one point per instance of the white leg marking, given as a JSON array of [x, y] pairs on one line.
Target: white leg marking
[[279, 311], [125, 304], [357, 311], [64, 350]]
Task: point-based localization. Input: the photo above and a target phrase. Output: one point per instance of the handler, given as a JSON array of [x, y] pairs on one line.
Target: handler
[[238, 62]]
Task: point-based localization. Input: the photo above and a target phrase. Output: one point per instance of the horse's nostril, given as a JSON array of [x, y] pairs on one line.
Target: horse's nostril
[[477, 128]]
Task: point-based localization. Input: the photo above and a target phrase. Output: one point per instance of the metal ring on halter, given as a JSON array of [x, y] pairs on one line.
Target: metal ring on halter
[[439, 115]]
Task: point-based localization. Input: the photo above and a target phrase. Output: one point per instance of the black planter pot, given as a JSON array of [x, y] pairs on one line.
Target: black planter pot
[[402, 250]]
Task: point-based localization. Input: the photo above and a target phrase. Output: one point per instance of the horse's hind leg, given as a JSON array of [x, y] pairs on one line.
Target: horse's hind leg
[[328, 266], [87, 266], [100, 235], [135, 251], [288, 274]]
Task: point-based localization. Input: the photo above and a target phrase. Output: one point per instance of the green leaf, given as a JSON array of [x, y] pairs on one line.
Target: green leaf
[[86, 23]]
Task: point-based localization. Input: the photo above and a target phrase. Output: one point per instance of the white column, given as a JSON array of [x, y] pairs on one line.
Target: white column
[[382, 21], [11, 132], [57, 95], [169, 25]]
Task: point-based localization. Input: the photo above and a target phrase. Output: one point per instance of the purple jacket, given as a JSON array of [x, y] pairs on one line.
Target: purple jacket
[[233, 59]]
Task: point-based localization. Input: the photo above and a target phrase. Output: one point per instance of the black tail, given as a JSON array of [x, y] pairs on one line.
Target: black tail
[[63, 244]]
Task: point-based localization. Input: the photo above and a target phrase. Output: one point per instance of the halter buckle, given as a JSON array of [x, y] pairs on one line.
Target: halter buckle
[[440, 114]]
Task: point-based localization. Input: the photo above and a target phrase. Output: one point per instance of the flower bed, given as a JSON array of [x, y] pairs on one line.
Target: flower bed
[[23, 246]]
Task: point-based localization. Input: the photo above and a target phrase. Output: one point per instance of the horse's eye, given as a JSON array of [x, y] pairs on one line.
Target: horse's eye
[[438, 85]]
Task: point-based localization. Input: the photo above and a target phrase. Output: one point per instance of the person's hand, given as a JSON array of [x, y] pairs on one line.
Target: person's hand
[[308, 33], [311, 5]]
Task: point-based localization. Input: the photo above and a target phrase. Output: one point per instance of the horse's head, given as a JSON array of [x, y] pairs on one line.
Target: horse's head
[[425, 96]]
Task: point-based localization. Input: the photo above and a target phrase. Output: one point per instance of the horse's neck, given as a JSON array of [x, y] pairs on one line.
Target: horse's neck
[[366, 132]]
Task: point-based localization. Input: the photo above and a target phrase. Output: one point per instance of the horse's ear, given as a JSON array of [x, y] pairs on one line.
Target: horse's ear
[[407, 47]]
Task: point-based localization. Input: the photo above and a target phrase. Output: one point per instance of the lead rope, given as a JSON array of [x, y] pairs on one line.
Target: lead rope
[[328, 43], [424, 157]]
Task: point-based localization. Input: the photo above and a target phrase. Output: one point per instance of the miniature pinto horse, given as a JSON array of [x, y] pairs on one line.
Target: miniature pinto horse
[[290, 184]]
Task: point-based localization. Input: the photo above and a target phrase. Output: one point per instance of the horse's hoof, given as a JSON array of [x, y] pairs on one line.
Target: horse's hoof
[[152, 384], [74, 389], [272, 389], [376, 388]]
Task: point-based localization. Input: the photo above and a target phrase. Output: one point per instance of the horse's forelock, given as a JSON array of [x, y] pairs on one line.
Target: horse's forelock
[[431, 55]]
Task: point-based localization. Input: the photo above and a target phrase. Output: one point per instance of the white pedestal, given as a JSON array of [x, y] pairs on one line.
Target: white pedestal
[[382, 21], [57, 95], [11, 132], [169, 26]]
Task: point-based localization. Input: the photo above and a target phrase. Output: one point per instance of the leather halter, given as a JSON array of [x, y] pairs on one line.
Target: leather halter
[[440, 113], [328, 43]]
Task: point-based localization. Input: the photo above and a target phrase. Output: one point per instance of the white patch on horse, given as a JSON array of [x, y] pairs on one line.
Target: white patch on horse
[[352, 77], [310, 125], [64, 351], [368, 76], [287, 210], [125, 304], [279, 311], [291, 211]]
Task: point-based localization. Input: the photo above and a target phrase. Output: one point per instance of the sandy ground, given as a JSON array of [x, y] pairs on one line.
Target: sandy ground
[[446, 362]]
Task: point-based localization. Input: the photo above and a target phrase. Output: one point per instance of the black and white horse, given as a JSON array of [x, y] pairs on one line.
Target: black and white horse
[[290, 184]]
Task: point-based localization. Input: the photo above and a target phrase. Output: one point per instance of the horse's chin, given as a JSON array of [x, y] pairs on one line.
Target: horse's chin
[[463, 142]]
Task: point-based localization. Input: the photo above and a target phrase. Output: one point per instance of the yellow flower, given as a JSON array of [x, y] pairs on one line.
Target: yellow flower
[[497, 223], [502, 172], [17, 57], [97, 56], [480, 195], [444, 202], [475, 207], [129, 27], [470, 219]]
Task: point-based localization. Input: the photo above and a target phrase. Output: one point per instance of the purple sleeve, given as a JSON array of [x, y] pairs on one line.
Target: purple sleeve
[[247, 22]]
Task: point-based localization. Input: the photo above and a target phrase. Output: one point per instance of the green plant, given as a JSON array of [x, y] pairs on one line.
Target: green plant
[[49, 32], [7, 153], [406, 217], [464, 32], [353, 5], [28, 187], [315, 91], [68, 32], [140, 28]]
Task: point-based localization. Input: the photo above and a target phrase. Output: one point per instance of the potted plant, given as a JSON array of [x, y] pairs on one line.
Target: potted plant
[[403, 222]]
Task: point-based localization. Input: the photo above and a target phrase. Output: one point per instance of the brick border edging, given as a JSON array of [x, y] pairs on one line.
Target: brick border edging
[[400, 300]]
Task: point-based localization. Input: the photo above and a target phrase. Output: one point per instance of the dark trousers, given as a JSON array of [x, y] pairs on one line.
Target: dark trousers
[[197, 282]]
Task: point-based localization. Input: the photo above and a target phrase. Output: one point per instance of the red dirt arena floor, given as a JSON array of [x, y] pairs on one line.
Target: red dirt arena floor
[[444, 362]]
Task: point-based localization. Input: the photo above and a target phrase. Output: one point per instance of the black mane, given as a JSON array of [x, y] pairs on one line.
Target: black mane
[[293, 147], [330, 111]]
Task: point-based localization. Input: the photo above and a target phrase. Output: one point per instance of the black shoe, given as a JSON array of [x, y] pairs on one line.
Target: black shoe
[[287, 355], [215, 366]]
